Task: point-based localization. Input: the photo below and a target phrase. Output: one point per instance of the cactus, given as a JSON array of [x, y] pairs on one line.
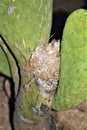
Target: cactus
[[72, 88], [23, 25], [26, 26], [4, 63]]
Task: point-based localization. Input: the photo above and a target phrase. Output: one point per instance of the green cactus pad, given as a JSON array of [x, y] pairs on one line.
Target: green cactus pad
[[23, 23], [72, 88], [4, 62]]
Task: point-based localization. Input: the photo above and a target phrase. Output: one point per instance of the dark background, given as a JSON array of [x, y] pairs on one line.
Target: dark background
[[61, 10]]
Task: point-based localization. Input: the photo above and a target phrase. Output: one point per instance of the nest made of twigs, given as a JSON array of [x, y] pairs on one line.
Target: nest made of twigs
[[45, 61]]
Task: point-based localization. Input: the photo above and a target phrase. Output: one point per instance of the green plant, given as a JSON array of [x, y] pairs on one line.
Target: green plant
[[72, 88], [23, 25]]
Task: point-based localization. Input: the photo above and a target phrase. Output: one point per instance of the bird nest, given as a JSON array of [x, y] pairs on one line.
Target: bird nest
[[44, 66]]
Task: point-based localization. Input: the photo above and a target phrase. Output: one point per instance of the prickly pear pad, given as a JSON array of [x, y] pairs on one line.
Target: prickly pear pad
[[24, 24], [72, 88], [2, 61]]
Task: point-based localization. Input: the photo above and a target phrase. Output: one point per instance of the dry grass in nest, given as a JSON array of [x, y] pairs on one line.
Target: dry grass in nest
[[44, 65]]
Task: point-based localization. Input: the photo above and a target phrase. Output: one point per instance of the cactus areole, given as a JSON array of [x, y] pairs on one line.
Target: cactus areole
[[72, 88]]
